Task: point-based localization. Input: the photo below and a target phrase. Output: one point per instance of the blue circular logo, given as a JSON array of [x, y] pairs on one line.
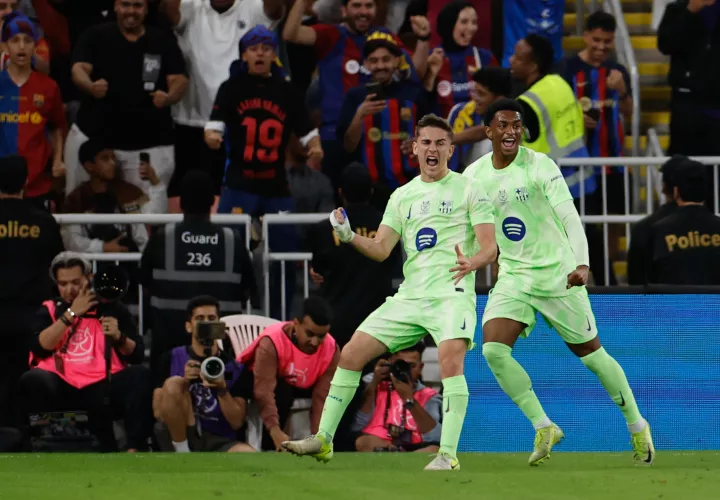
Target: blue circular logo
[[425, 238], [513, 228]]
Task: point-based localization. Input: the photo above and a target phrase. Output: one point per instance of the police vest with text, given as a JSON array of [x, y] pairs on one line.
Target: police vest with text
[[561, 128], [199, 260]]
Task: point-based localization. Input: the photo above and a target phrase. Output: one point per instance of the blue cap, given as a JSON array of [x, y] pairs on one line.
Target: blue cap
[[259, 35], [16, 23]]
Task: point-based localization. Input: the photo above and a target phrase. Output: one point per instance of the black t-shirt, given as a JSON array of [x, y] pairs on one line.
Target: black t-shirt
[[259, 115], [126, 116], [29, 240]]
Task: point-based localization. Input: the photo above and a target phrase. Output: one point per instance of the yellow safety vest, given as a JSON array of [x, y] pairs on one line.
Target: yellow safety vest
[[562, 129]]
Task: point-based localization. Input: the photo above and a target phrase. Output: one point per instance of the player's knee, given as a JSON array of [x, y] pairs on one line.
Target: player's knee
[[496, 354], [451, 357]]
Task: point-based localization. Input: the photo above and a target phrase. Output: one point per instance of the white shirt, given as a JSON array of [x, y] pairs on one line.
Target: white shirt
[[210, 42]]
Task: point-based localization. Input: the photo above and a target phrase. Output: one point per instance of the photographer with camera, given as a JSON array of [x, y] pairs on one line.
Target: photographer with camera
[[81, 355], [399, 413], [199, 401], [293, 359]]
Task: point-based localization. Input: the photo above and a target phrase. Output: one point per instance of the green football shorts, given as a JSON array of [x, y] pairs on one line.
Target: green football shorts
[[570, 315], [401, 323]]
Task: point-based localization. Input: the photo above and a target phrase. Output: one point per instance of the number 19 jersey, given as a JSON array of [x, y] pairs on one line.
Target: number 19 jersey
[[259, 114], [431, 218], [535, 254]]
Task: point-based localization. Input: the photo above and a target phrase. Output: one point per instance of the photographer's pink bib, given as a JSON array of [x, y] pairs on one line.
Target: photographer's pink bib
[[397, 415], [82, 361], [297, 368]]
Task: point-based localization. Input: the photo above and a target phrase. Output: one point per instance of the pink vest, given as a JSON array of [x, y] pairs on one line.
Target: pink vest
[[297, 368], [378, 424], [83, 362]]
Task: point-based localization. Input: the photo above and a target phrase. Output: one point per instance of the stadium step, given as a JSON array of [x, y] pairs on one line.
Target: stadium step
[[664, 142], [628, 6], [638, 23]]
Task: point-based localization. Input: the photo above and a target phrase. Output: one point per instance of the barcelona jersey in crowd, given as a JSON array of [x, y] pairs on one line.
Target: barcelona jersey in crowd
[[455, 76]]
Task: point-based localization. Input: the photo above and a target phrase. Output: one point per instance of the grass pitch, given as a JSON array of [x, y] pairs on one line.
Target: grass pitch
[[349, 476]]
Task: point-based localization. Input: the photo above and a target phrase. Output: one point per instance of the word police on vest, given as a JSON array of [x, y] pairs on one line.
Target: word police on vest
[[13, 229], [208, 332], [201, 239], [693, 240]]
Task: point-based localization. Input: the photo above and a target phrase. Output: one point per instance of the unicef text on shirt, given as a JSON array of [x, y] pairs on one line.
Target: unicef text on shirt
[[202, 239]]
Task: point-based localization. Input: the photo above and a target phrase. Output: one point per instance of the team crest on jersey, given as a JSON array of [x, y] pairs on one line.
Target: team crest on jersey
[[446, 207], [38, 100], [374, 135], [425, 207], [502, 196], [522, 194], [405, 114]]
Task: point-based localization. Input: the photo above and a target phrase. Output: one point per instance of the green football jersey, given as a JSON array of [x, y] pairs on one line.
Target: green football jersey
[[431, 218], [535, 254]]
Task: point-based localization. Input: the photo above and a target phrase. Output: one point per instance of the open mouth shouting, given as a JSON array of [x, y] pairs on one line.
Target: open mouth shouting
[[509, 144], [432, 160]]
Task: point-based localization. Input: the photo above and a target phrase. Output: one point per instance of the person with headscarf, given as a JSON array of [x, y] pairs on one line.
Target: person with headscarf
[[255, 112], [31, 111], [457, 25]]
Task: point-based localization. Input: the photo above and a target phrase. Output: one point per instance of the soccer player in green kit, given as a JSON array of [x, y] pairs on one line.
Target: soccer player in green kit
[[441, 216], [543, 268]]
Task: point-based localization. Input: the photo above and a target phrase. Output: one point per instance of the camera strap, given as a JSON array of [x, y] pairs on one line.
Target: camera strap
[[388, 403]]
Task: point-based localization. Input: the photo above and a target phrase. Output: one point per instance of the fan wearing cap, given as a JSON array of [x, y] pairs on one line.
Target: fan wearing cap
[[339, 50], [377, 120], [41, 56], [638, 259], [79, 338], [255, 112], [31, 111]]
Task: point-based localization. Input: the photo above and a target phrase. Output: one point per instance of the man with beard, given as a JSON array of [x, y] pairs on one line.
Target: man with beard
[[377, 120], [543, 269], [130, 74], [339, 50]]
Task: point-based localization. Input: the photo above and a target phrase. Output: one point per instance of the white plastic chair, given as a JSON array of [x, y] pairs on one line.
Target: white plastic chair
[[242, 330]]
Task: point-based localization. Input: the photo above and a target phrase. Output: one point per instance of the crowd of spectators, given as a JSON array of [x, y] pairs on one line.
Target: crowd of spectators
[[275, 106]]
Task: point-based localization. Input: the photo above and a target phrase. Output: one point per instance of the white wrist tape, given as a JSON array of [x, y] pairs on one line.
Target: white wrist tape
[[344, 231]]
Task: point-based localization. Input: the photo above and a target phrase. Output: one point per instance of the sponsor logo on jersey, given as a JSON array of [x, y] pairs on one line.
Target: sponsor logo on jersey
[[446, 206], [521, 194], [22, 118], [425, 238], [513, 228], [502, 196], [425, 207]]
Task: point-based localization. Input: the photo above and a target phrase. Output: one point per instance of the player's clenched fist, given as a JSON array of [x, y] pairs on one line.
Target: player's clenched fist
[[341, 225], [579, 277]]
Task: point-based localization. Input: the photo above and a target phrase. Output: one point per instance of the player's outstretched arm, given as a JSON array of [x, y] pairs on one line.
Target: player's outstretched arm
[[485, 234], [377, 248]]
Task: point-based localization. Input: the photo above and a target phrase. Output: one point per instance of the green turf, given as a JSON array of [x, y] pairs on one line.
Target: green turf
[[270, 476]]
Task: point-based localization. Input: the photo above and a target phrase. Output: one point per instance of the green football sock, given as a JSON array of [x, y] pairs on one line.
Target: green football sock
[[455, 402], [342, 389], [514, 380], [614, 381]]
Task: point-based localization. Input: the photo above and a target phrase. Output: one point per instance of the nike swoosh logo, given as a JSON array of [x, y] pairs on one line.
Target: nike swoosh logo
[[447, 410], [463, 327], [589, 328], [409, 212], [622, 399]]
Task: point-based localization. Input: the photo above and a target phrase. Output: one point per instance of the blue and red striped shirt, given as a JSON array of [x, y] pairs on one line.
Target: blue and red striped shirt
[[340, 65], [27, 114], [453, 79], [607, 140], [383, 133]]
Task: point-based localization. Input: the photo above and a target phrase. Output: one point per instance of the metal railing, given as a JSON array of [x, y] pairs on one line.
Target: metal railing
[[625, 54], [651, 163]]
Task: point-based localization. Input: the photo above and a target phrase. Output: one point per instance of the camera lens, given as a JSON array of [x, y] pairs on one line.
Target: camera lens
[[212, 368]]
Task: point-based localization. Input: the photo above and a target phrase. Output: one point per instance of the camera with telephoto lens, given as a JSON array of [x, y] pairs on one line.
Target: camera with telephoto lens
[[400, 369], [207, 333]]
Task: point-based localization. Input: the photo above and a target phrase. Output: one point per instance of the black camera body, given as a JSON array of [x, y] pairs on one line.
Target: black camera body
[[401, 370], [208, 332]]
